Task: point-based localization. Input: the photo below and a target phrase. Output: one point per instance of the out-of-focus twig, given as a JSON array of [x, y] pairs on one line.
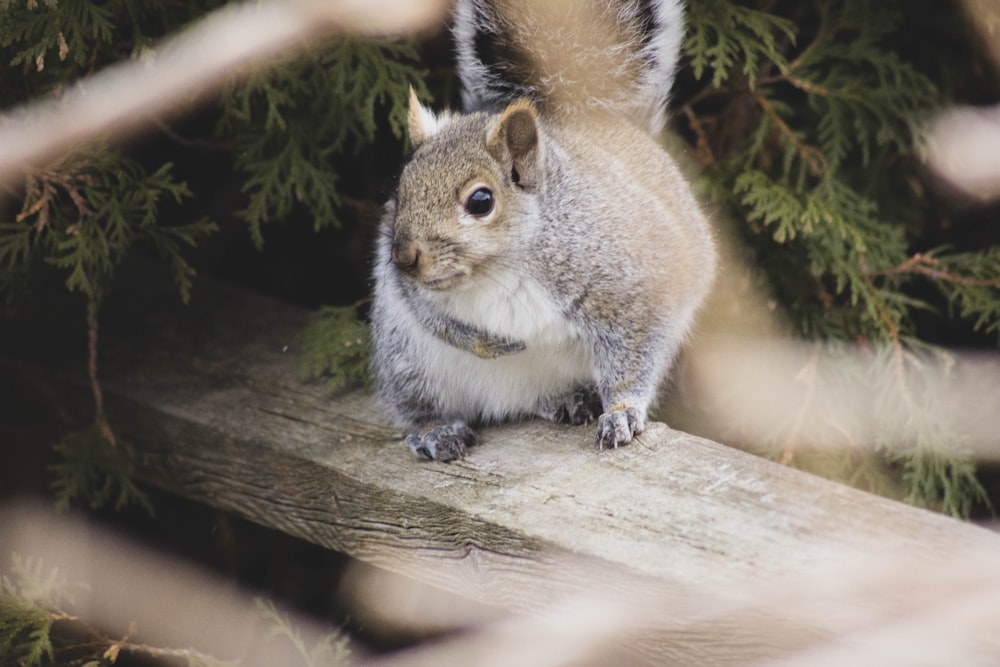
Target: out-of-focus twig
[[127, 94], [168, 606], [963, 149], [963, 143]]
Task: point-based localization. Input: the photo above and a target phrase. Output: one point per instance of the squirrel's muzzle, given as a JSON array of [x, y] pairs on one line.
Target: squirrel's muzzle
[[406, 254]]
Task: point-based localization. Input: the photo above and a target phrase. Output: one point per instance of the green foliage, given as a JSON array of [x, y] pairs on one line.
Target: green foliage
[[864, 96], [808, 173], [830, 110], [83, 213], [24, 632], [33, 599], [336, 345], [969, 280], [722, 35], [83, 216], [286, 122], [806, 121], [56, 41], [67, 27], [941, 480], [30, 601], [95, 471], [332, 650]]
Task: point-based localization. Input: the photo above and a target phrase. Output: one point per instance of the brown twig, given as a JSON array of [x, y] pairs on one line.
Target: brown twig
[[927, 266], [893, 327], [704, 150], [95, 385], [786, 76], [812, 156]]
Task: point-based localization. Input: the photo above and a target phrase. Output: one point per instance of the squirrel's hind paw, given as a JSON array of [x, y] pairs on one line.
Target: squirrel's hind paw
[[618, 427], [581, 407], [447, 442]]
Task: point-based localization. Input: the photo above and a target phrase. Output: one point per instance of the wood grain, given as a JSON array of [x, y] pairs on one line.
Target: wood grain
[[714, 551]]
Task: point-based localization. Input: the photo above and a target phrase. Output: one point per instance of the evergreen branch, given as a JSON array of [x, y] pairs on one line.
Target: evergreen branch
[[332, 650], [167, 243], [812, 157], [940, 480], [770, 203], [190, 656], [17, 250], [721, 35], [95, 386], [787, 76], [968, 279], [95, 471], [704, 149], [930, 266], [31, 603], [336, 346], [287, 121]]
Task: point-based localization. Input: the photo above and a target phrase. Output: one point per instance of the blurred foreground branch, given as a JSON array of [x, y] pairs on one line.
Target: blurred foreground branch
[[963, 143], [677, 549], [236, 36]]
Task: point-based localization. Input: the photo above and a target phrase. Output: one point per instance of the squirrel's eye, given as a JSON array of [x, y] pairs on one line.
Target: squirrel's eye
[[480, 203]]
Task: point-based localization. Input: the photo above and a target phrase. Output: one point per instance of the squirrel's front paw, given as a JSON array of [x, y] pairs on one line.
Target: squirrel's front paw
[[447, 442], [618, 427]]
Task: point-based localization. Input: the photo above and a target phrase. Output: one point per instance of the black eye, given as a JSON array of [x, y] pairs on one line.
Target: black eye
[[480, 202]]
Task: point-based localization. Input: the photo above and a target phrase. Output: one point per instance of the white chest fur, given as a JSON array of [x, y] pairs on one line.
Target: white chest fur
[[556, 359], [507, 304]]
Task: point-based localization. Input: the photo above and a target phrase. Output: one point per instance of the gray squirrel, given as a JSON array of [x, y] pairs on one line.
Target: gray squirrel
[[542, 256]]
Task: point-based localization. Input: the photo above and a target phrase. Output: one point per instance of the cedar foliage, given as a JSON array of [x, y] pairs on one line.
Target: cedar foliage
[[335, 347], [286, 123], [821, 172], [805, 117], [29, 599], [39, 626], [85, 213]]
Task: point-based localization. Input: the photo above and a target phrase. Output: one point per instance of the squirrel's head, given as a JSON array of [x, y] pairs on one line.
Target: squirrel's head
[[461, 196]]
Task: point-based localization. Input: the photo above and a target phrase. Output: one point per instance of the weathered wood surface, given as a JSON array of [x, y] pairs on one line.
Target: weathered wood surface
[[210, 399]]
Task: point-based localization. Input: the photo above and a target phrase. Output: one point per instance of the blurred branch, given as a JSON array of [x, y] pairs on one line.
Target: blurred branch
[[125, 95], [963, 142]]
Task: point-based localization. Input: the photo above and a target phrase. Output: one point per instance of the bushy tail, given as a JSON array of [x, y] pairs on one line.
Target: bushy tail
[[570, 55]]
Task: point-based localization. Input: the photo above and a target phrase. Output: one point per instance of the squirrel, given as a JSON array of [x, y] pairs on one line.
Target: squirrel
[[542, 255]]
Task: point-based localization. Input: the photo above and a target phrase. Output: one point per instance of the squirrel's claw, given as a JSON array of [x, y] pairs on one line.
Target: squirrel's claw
[[618, 427], [447, 442]]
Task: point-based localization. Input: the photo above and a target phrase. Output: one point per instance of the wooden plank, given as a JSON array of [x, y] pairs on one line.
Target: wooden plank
[[210, 399]]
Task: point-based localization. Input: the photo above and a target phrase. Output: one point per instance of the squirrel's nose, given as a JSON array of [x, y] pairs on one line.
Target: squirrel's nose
[[405, 255]]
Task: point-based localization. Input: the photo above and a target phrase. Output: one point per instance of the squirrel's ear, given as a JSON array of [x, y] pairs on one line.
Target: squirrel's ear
[[422, 123], [516, 137]]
